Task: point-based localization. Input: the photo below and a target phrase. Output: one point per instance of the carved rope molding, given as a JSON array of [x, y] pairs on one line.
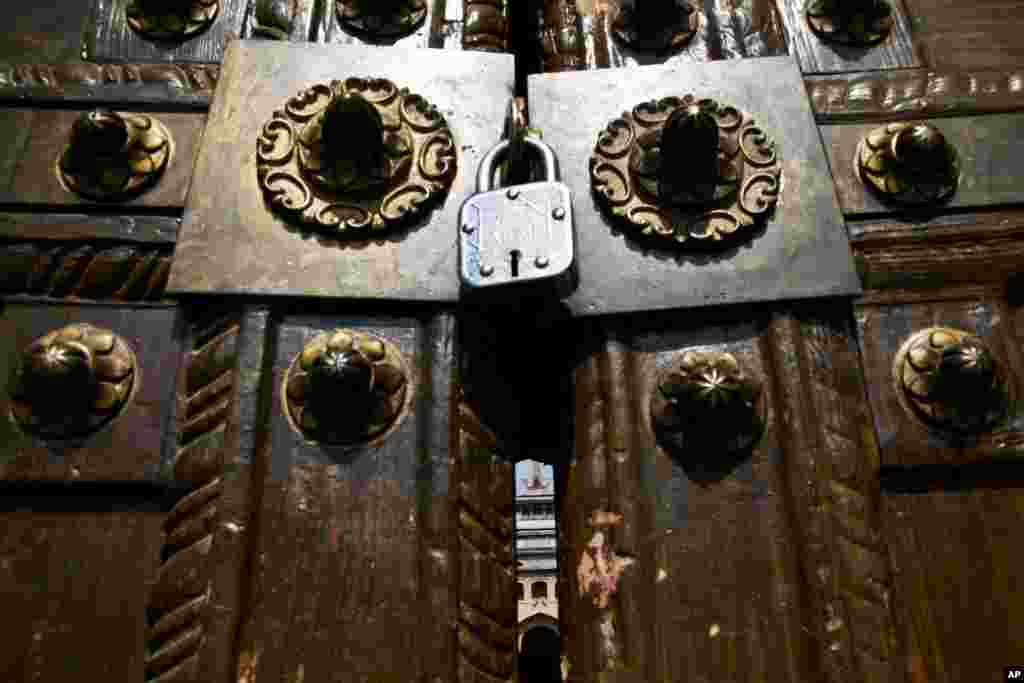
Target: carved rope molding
[[180, 601], [913, 93], [128, 273], [199, 79]]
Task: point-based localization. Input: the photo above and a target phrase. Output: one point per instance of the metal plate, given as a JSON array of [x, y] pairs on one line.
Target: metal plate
[[990, 150], [803, 251], [230, 242]]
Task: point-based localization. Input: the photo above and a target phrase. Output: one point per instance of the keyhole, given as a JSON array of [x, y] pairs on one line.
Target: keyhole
[[515, 254]]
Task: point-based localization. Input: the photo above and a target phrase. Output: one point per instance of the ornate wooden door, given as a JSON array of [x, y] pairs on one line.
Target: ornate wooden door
[[253, 432]]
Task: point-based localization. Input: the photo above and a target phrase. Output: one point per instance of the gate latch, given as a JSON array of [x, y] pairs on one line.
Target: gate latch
[[520, 233]]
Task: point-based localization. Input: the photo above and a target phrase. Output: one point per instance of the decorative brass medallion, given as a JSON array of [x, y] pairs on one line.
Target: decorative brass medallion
[[664, 25], [707, 400], [909, 163], [381, 19], [355, 157], [72, 381], [113, 155], [949, 379], [345, 387], [850, 22], [680, 170], [171, 20]]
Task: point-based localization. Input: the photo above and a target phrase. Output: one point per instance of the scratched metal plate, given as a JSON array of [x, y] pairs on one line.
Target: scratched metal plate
[[803, 250], [230, 242]]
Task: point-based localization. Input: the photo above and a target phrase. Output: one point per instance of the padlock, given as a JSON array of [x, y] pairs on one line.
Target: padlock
[[521, 233]]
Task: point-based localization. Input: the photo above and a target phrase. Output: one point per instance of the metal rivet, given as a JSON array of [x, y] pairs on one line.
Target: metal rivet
[[558, 213], [512, 193], [486, 270], [467, 228], [541, 261]]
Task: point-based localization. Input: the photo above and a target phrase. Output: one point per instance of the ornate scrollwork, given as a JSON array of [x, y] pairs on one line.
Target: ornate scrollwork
[[355, 156], [682, 170], [381, 20], [171, 20], [345, 387], [707, 400], [71, 382], [850, 22], [660, 26], [949, 379], [114, 155], [909, 163]]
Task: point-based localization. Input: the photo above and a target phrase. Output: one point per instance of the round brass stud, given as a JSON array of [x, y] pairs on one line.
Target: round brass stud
[[171, 20], [346, 387], [381, 20], [908, 163], [686, 172], [705, 400], [950, 380], [113, 156], [355, 158], [850, 22], [72, 381], [661, 26]]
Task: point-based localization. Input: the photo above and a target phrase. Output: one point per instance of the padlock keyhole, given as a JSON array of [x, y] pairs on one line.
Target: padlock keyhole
[[515, 254]]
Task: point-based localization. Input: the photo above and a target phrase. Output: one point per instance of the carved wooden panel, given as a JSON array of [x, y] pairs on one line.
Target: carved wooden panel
[[129, 447], [186, 84], [888, 318], [28, 170], [769, 567], [815, 55], [981, 35], [957, 570], [74, 586]]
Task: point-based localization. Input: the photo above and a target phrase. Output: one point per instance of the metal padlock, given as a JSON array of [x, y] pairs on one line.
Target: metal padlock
[[519, 233]]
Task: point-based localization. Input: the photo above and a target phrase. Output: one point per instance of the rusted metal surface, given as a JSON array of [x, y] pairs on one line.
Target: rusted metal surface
[[815, 55], [231, 242], [988, 149], [905, 440], [28, 169], [803, 249], [129, 447]]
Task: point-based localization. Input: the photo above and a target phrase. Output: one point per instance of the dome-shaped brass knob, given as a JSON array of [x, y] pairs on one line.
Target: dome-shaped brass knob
[[171, 20], [708, 400], [381, 19], [949, 379], [113, 156], [850, 22], [909, 163], [345, 387], [71, 382], [353, 143], [655, 25], [689, 156]]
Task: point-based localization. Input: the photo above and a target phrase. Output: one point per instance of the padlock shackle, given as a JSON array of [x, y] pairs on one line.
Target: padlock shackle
[[485, 172]]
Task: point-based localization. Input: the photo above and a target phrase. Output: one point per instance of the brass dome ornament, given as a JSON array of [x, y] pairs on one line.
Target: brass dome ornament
[[850, 22], [113, 156], [71, 382], [949, 379], [658, 25], [686, 172], [381, 20], [355, 158], [908, 163], [171, 20], [707, 400], [346, 387]]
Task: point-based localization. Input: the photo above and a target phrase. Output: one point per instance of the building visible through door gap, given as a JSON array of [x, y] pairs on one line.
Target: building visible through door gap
[[538, 643]]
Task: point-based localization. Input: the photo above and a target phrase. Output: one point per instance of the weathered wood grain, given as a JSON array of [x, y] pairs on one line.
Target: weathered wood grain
[[977, 35], [884, 325], [957, 571], [129, 447], [74, 587], [184, 84]]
